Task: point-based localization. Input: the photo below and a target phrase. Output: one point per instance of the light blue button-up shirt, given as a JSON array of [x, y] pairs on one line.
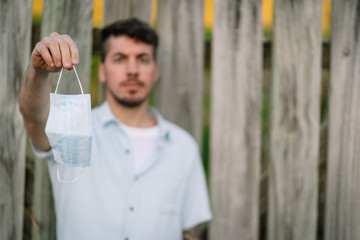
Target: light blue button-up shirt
[[112, 201]]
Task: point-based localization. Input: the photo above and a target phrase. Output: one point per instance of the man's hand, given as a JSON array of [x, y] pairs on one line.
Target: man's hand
[[53, 52]]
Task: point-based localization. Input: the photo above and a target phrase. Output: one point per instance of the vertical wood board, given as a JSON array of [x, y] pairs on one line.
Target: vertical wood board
[[119, 9], [236, 119], [77, 23], [15, 29], [295, 120], [179, 92], [343, 175]]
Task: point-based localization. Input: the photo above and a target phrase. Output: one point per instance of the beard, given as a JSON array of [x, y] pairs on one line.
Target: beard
[[129, 103]]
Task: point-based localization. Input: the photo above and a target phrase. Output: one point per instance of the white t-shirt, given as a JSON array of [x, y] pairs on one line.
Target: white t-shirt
[[143, 143]]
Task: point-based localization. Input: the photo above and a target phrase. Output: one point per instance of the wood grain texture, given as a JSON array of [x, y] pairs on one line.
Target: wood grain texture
[[15, 29], [236, 119], [295, 120], [72, 17], [343, 175], [179, 92], [43, 204], [77, 23], [119, 9]]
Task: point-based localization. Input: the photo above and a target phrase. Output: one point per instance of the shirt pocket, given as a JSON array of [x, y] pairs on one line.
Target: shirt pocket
[[169, 209], [172, 195]]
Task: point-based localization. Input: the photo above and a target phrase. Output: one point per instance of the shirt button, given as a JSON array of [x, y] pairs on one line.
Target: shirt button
[[131, 208], [127, 151]]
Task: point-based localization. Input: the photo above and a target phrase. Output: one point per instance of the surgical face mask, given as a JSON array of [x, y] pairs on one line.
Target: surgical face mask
[[69, 129]]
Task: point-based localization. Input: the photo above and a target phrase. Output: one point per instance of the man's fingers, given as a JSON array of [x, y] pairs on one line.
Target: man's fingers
[[53, 47], [55, 52], [43, 51], [74, 51], [58, 51], [65, 53]]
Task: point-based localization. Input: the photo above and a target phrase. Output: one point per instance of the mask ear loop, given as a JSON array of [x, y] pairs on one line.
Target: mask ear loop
[[72, 181], [58, 164], [77, 77]]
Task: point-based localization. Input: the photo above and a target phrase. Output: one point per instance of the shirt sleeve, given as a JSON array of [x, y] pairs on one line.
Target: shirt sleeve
[[196, 208], [47, 155]]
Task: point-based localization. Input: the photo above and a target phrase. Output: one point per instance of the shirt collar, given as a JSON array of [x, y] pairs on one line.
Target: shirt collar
[[107, 117], [162, 123]]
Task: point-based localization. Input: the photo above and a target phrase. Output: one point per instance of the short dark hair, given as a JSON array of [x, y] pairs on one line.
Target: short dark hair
[[132, 28]]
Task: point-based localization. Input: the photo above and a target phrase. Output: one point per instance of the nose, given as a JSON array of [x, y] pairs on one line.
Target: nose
[[132, 68]]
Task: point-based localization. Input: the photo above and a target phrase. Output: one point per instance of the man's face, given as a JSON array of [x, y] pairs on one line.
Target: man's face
[[129, 70]]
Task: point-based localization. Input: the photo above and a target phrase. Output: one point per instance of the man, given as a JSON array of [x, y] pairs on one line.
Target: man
[[146, 179]]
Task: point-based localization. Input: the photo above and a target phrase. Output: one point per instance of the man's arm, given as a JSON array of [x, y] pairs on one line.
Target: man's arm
[[49, 55], [34, 105]]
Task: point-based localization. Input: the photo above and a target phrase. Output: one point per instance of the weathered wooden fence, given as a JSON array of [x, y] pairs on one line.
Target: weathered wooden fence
[[236, 110], [15, 32], [236, 119], [179, 91], [343, 179], [295, 121]]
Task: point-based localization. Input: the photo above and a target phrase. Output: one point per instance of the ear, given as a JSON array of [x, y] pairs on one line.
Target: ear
[[101, 72]]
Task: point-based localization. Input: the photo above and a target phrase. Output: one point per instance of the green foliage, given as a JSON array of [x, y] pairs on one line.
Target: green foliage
[[265, 127], [36, 20], [208, 35], [206, 122], [94, 83], [206, 150]]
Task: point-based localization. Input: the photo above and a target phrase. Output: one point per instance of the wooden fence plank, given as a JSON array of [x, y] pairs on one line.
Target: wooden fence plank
[[343, 178], [77, 23], [118, 9], [15, 29], [43, 204], [72, 17], [293, 176], [236, 119], [178, 94]]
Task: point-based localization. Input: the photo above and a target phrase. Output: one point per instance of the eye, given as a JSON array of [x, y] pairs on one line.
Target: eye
[[119, 59], [144, 60]]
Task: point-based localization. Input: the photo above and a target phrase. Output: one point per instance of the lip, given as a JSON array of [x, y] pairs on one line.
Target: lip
[[132, 85]]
